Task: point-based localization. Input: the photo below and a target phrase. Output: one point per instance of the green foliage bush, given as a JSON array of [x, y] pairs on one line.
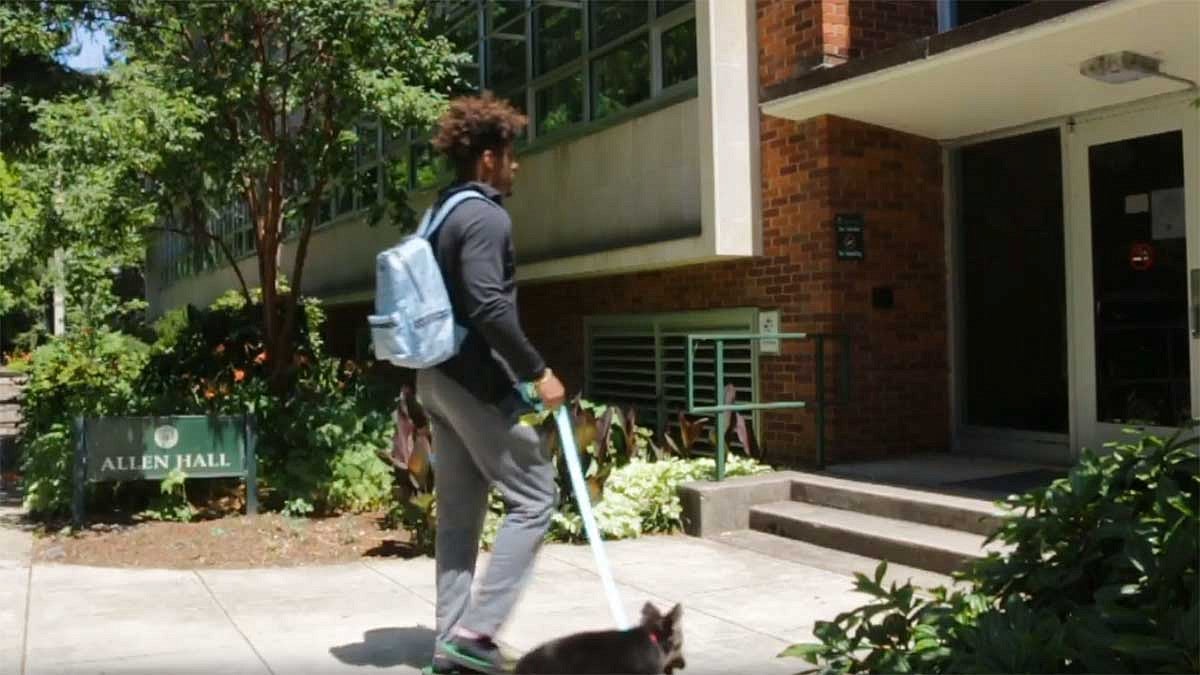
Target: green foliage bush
[[1101, 577], [639, 498], [171, 503], [87, 373], [318, 443], [632, 482]]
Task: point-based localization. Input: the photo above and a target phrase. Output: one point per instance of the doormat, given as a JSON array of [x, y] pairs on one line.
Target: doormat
[[1013, 483]]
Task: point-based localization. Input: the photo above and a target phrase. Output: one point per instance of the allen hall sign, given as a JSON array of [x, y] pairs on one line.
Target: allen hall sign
[[109, 449]]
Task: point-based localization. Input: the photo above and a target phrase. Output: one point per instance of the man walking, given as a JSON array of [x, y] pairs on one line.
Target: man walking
[[472, 399]]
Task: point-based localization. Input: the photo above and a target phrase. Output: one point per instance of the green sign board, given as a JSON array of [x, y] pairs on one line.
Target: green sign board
[[149, 448], [140, 448]]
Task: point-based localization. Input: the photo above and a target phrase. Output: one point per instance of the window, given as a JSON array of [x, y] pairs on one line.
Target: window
[[621, 77], [668, 6], [955, 13], [560, 104], [501, 12], [558, 34], [396, 156], [237, 230], [614, 18], [583, 60], [184, 257], [465, 33], [367, 158], [640, 361], [678, 48], [361, 189], [427, 167], [506, 57]]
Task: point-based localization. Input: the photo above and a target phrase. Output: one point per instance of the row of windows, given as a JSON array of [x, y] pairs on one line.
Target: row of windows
[[182, 256], [587, 60]]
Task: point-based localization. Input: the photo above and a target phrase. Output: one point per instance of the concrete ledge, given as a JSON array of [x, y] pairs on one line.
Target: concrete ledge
[[710, 507]]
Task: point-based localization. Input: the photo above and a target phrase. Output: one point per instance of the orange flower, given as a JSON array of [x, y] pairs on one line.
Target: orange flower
[[238, 374], [220, 349], [261, 358], [210, 394]]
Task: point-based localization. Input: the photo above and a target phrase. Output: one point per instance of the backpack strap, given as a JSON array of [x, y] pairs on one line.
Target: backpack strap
[[432, 221]]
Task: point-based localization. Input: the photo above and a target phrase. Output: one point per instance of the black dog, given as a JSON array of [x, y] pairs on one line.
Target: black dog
[[655, 646]]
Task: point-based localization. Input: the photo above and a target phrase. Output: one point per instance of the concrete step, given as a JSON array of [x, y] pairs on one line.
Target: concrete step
[[928, 547], [10, 416], [978, 516], [829, 559]]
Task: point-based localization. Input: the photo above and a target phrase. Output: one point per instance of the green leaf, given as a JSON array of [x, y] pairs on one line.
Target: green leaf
[[810, 652]]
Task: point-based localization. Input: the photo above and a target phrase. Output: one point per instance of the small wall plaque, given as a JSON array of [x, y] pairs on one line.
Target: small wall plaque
[[850, 244]]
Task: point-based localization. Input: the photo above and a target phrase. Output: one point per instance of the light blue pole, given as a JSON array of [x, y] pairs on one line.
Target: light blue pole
[[567, 436]]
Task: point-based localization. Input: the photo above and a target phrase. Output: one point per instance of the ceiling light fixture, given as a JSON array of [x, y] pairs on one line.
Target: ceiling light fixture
[[1122, 67]]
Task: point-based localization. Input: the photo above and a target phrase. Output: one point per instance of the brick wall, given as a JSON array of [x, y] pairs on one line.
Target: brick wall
[[797, 35], [789, 39], [810, 172], [875, 25]]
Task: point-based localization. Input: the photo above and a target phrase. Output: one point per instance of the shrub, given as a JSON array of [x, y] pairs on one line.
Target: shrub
[[632, 481], [87, 373], [640, 497], [171, 504], [1102, 577], [318, 441], [318, 433], [47, 464]]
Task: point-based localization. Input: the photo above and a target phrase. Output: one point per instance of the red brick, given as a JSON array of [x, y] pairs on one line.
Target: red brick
[[811, 171]]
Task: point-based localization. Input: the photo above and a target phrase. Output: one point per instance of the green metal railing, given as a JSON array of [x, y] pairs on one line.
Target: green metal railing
[[720, 408]]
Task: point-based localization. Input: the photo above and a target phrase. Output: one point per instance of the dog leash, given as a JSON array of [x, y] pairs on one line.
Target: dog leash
[[571, 452]]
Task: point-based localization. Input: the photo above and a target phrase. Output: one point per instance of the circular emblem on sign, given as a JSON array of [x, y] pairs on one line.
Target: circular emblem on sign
[[1141, 256], [166, 437]]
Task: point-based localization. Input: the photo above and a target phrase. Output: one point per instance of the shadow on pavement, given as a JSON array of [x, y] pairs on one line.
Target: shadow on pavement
[[388, 647]]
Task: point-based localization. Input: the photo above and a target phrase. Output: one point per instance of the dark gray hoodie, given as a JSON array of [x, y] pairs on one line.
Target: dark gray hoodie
[[475, 252]]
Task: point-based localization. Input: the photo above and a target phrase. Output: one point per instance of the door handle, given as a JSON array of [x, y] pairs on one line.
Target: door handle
[[1195, 303]]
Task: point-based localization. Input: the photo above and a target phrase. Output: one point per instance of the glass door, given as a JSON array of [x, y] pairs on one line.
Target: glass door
[[1133, 258], [1011, 369]]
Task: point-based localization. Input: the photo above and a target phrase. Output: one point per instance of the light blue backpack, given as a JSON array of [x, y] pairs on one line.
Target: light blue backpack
[[413, 324]]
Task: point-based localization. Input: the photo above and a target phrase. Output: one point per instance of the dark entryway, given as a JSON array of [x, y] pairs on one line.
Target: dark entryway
[[1012, 268]]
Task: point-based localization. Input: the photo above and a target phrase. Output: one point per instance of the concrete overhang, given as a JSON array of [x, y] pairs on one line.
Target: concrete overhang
[[1012, 69]]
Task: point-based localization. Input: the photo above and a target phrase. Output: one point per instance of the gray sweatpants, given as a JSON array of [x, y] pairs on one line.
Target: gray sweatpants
[[476, 446]]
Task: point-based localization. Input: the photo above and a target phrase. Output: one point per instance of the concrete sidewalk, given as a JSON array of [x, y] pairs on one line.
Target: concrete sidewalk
[[15, 545], [740, 609]]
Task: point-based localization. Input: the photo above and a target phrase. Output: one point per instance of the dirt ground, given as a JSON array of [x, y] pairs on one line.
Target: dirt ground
[[268, 540]]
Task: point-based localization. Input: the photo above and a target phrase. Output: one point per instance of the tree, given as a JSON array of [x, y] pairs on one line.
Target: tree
[[33, 33], [92, 187], [279, 88]]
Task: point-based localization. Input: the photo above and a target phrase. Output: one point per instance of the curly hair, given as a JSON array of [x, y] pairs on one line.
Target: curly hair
[[473, 124]]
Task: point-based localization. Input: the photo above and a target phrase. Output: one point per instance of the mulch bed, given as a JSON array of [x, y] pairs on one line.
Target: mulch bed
[[234, 541]]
